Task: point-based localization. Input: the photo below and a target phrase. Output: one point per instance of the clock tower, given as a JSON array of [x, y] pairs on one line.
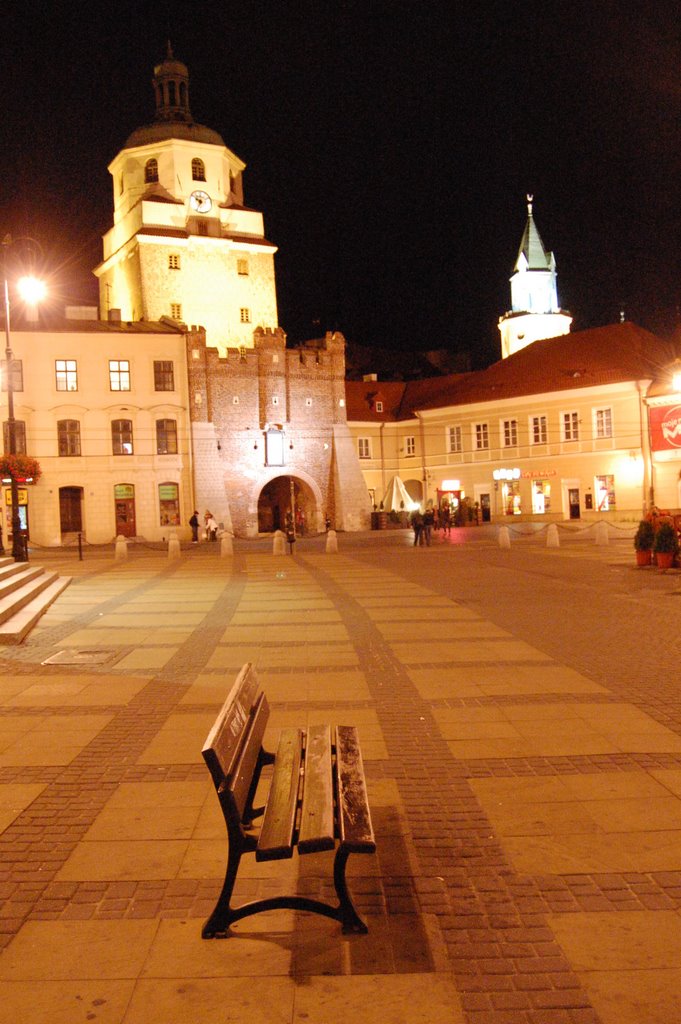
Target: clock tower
[[183, 244]]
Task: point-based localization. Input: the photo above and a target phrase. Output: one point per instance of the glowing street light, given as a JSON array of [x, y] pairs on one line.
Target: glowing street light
[[31, 290]]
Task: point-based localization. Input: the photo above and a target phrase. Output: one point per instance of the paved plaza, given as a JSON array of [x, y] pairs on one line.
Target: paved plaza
[[520, 717]]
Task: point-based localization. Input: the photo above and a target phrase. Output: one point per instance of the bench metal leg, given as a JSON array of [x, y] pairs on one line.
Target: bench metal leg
[[217, 925]]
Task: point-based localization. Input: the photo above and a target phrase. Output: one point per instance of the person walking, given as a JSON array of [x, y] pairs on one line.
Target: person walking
[[428, 521], [194, 523], [417, 526]]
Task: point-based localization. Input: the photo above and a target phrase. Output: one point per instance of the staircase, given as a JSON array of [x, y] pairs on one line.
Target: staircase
[[26, 592]]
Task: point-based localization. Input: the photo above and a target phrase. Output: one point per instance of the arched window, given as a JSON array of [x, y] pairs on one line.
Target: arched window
[[198, 170], [121, 437], [151, 170], [166, 437]]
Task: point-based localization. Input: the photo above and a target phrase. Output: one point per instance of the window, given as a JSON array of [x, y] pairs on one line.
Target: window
[[379, 406], [17, 369], [510, 432], [198, 170], [19, 437], [164, 376], [245, 315], [173, 261], [454, 440], [235, 400], [242, 268], [410, 446], [169, 504], [364, 447], [176, 310], [275, 399], [166, 437], [66, 371], [121, 437], [274, 448], [151, 171], [202, 227], [605, 493], [119, 374], [481, 437], [603, 419], [539, 430], [571, 426], [68, 437]]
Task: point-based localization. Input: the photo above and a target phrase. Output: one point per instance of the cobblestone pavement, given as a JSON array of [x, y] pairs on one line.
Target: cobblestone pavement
[[521, 725]]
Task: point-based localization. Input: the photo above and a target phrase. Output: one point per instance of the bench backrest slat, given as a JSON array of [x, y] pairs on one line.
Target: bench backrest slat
[[354, 818], [224, 741], [316, 815], [244, 770]]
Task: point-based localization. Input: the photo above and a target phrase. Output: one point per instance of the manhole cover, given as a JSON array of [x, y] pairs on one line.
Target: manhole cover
[[88, 657]]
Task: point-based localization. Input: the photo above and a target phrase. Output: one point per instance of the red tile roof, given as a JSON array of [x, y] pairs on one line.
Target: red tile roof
[[602, 355]]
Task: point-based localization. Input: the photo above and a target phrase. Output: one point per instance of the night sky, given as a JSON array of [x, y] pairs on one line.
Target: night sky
[[390, 146]]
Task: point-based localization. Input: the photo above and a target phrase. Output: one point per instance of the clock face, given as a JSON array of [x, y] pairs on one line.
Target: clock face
[[200, 201]]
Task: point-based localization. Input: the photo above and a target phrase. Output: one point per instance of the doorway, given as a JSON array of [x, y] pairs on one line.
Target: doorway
[[275, 502], [124, 502], [71, 509], [573, 502], [485, 508]]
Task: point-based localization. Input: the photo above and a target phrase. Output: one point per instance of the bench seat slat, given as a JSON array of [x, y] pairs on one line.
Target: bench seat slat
[[316, 817], [354, 818], [276, 835]]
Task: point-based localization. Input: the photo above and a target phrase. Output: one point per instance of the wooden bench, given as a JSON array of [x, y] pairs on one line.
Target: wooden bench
[[316, 798]]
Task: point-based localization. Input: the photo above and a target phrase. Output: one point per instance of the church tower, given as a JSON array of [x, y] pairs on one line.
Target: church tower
[[535, 312], [183, 244]]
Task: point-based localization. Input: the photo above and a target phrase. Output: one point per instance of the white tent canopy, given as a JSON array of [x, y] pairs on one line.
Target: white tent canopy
[[397, 498]]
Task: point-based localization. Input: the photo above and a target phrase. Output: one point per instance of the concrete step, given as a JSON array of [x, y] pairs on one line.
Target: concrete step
[[15, 575], [21, 608]]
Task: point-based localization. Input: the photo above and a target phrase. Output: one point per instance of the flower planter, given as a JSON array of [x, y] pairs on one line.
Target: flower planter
[[644, 557], [664, 559]]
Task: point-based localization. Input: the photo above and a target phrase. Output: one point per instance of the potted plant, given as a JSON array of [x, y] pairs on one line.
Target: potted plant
[[666, 545], [644, 539]]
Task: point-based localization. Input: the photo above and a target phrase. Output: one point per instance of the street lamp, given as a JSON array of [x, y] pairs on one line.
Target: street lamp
[[31, 290]]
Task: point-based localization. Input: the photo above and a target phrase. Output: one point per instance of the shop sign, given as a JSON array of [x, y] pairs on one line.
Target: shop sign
[[22, 494], [506, 474], [537, 474], [665, 427]]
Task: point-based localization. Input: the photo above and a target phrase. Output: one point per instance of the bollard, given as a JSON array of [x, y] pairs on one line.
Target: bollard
[[504, 537], [552, 538], [602, 535], [80, 547], [226, 545], [278, 547], [331, 543], [173, 546], [121, 552]]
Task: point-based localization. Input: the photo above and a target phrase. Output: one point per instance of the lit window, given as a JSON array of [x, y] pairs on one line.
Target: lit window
[[173, 261], [68, 437], [510, 432], [169, 504], [603, 422], [454, 440], [198, 170], [410, 446], [481, 437], [605, 493], [66, 371], [164, 375], [245, 315], [364, 447], [119, 374], [176, 310], [19, 437], [242, 268], [121, 437], [539, 430], [166, 437], [151, 171], [570, 422]]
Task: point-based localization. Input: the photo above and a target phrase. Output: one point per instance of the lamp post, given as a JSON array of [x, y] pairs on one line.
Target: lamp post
[[31, 290]]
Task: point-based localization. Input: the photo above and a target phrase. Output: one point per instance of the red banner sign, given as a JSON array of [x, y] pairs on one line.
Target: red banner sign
[[665, 427]]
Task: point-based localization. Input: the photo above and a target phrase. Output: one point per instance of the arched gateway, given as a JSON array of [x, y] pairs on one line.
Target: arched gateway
[[284, 492]]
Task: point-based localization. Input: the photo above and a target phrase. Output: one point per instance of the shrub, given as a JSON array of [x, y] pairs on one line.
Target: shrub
[[644, 537]]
